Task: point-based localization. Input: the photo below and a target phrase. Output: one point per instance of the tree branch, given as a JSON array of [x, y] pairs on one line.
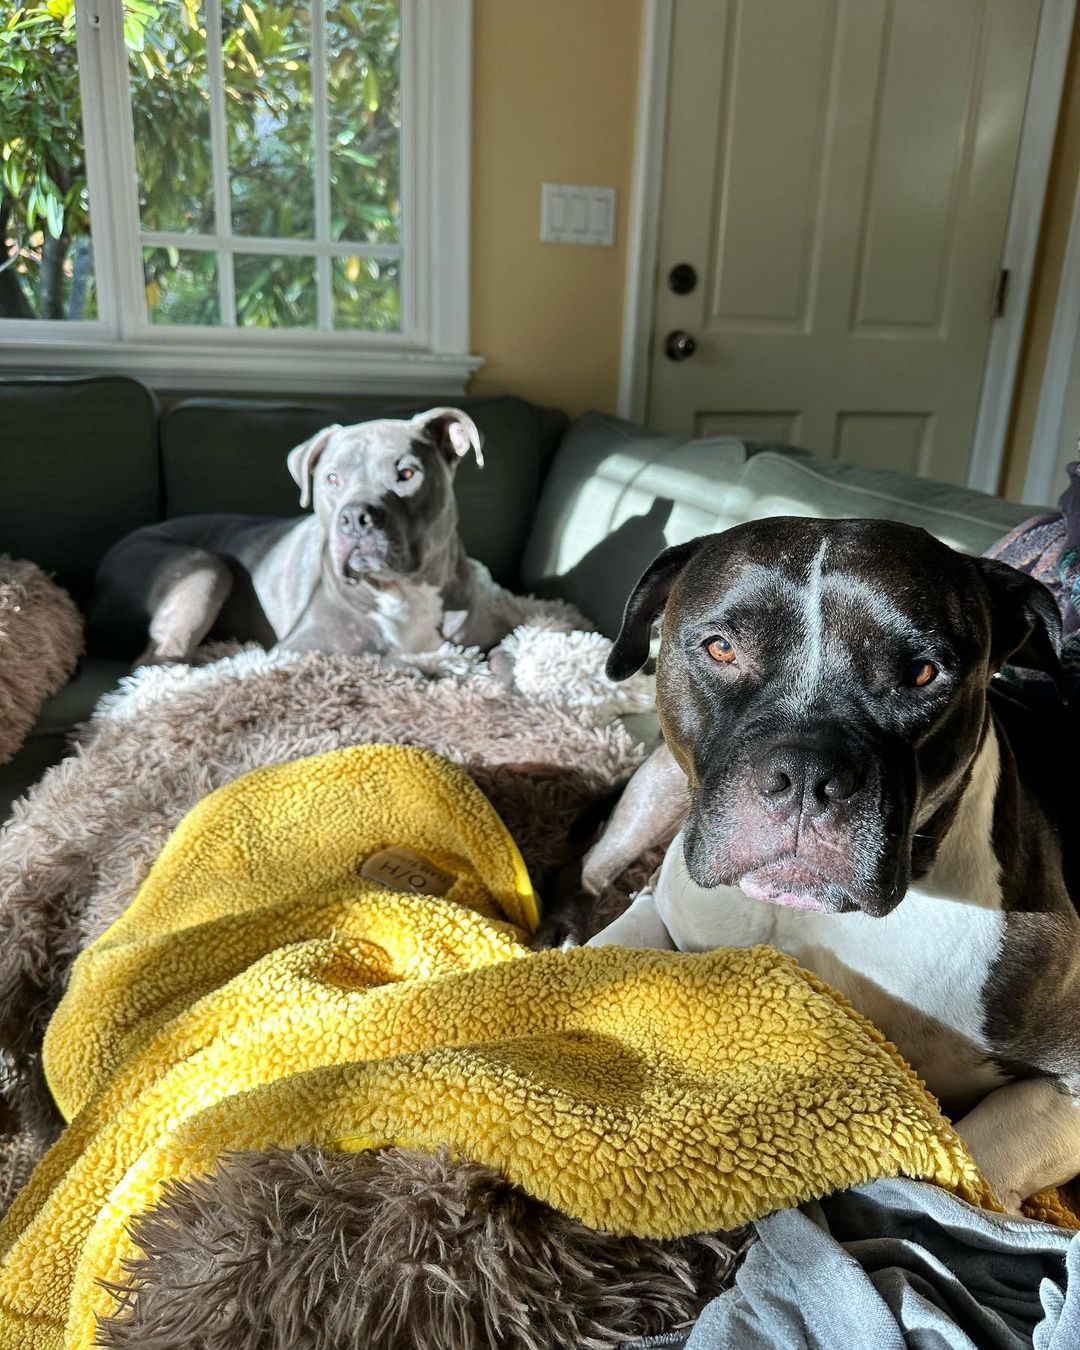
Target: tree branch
[[13, 301], [53, 256]]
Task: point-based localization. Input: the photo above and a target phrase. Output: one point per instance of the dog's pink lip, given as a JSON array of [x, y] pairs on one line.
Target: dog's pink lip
[[789, 882]]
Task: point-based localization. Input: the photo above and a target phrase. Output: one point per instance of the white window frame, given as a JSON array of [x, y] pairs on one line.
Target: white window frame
[[430, 354]]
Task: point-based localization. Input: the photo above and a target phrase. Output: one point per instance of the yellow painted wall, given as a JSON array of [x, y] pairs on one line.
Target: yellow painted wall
[[554, 100], [1061, 193]]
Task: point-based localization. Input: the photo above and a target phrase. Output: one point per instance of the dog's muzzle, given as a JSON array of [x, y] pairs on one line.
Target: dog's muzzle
[[798, 824], [362, 542]]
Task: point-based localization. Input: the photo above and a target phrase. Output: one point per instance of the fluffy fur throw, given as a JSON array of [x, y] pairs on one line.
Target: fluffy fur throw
[[259, 1247], [41, 639], [462, 1258]]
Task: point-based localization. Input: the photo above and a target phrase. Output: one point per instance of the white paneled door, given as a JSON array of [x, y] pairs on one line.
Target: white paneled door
[[836, 186]]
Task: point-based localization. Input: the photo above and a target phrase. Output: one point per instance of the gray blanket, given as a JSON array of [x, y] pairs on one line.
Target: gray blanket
[[897, 1264]]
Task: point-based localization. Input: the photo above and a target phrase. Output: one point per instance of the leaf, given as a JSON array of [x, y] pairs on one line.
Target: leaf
[[60, 9], [357, 156], [54, 216], [134, 33], [371, 90], [352, 269], [374, 212]]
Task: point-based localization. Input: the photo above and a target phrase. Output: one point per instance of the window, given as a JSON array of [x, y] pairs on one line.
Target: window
[[234, 192]]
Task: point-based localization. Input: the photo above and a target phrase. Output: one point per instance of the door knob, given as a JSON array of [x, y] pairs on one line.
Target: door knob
[[678, 346]]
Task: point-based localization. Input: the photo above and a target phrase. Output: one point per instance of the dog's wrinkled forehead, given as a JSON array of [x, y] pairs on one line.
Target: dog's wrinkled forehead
[[370, 452], [367, 458], [831, 588]]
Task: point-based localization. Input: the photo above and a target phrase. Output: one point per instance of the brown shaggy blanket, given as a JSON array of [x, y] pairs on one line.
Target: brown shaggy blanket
[[309, 1248], [41, 639], [285, 1250]]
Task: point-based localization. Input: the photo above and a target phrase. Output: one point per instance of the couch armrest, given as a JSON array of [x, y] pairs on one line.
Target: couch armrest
[[41, 640]]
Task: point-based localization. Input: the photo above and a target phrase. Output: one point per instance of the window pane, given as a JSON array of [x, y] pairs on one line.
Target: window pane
[[170, 100], [274, 292], [367, 295], [46, 259], [363, 48], [267, 53], [181, 286]]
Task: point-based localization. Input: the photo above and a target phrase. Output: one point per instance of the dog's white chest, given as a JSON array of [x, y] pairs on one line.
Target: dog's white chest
[[918, 974], [409, 616]]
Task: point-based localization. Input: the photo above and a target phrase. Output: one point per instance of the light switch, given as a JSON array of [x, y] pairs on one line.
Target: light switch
[[572, 214]]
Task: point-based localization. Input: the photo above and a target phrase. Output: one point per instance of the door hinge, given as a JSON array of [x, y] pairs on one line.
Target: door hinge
[[1001, 292]]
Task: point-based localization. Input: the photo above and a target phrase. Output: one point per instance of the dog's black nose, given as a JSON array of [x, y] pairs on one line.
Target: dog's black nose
[[806, 777], [356, 519]]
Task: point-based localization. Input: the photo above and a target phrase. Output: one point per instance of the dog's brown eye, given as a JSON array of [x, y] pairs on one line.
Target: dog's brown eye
[[333, 480], [720, 649], [921, 673], [405, 474]]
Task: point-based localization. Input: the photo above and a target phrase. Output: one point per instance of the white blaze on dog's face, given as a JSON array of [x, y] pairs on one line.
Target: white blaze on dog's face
[[383, 490]]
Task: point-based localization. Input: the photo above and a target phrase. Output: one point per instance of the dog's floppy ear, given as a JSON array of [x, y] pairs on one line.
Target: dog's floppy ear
[[453, 431], [1026, 620], [647, 600], [303, 459]]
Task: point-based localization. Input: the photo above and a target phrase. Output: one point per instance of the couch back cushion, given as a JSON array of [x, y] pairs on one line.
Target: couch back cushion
[[616, 495], [78, 469], [229, 455]]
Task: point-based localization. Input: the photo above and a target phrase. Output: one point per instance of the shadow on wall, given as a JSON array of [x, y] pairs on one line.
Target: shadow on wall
[[589, 581]]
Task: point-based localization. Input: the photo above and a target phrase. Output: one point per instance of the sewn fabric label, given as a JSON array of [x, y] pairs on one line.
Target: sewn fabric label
[[403, 870]]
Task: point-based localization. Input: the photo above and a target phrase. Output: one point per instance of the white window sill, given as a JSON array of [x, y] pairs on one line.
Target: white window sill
[[312, 366]]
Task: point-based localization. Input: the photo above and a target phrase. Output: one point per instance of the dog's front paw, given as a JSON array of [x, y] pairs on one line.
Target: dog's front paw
[[559, 930], [501, 664], [563, 925], [1012, 1202], [1025, 1137]]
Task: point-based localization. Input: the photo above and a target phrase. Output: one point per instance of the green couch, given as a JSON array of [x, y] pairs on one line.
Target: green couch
[[572, 511]]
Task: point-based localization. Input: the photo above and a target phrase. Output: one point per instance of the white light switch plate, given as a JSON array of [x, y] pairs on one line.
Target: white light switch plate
[[571, 214]]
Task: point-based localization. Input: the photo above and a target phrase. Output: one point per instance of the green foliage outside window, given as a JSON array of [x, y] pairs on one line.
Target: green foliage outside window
[[46, 259]]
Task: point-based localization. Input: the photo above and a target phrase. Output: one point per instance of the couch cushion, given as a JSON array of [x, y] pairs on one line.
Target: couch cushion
[[229, 455], [76, 701], [617, 494], [779, 485], [78, 469], [48, 742]]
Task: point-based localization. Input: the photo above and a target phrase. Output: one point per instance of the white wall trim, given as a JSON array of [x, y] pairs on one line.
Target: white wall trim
[[1062, 359], [318, 368], [1018, 253], [643, 232], [1021, 242], [448, 55]]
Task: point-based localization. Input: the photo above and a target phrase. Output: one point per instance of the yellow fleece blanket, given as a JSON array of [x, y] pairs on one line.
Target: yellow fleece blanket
[[276, 981]]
